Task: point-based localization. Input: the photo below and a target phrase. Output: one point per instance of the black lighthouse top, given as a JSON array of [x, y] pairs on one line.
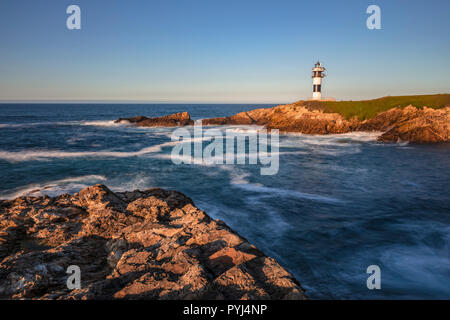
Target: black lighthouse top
[[318, 71]]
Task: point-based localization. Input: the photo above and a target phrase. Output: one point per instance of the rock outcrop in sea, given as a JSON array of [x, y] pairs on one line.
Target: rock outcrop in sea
[[173, 120], [152, 244], [420, 125]]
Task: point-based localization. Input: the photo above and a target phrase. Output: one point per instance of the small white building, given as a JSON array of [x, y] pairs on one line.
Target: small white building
[[318, 72]]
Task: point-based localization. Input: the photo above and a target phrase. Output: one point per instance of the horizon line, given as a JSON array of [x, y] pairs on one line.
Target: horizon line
[[131, 102], [195, 102]]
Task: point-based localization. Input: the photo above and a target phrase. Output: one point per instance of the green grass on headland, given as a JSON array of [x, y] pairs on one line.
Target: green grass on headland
[[366, 109]]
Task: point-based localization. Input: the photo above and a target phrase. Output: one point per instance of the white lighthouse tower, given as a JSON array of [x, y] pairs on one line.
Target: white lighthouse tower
[[318, 72]]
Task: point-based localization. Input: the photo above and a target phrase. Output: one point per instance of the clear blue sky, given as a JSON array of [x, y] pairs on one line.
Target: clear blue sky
[[221, 50]]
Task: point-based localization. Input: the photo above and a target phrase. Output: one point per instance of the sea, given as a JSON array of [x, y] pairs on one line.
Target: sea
[[338, 204]]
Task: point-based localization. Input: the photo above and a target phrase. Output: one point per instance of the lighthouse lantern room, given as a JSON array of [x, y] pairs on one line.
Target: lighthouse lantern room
[[318, 72]]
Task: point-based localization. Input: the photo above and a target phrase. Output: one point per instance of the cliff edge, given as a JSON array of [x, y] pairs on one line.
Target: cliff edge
[[152, 244]]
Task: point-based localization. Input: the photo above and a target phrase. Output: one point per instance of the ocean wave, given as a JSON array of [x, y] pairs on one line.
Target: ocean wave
[[278, 192], [239, 179], [220, 162], [25, 125], [54, 188], [244, 128], [102, 123], [296, 140], [20, 156], [97, 123], [137, 180], [237, 219], [338, 151], [187, 159], [72, 185], [416, 268], [8, 125], [27, 155]]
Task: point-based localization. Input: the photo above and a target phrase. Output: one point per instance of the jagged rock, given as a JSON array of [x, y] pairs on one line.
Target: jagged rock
[[419, 125], [152, 244], [408, 124], [173, 120], [290, 118]]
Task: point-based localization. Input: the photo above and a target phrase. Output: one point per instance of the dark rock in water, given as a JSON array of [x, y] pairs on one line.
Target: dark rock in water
[[173, 120], [152, 244]]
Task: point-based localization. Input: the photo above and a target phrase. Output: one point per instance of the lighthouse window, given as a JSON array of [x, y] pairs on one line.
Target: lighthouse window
[[317, 88]]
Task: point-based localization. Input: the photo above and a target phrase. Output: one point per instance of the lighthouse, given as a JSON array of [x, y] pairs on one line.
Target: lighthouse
[[318, 72]]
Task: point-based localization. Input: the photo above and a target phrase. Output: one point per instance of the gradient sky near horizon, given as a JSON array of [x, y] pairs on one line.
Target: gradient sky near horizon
[[254, 51]]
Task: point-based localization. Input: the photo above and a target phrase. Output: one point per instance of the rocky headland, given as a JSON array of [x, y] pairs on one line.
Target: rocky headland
[[421, 125], [152, 244], [410, 123]]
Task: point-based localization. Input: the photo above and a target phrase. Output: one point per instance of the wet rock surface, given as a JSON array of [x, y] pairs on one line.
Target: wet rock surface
[[152, 244]]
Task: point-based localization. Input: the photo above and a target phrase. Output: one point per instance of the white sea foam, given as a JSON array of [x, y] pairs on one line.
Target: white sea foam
[[27, 155], [355, 135], [58, 154], [403, 143], [237, 219], [244, 128], [277, 192], [72, 185], [57, 187], [239, 179], [182, 158], [102, 123], [337, 151], [25, 125], [296, 140], [97, 123], [136, 180], [9, 125]]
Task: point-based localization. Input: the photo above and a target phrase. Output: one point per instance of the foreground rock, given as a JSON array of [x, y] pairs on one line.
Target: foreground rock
[[424, 125], [173, 120], [152, 244]]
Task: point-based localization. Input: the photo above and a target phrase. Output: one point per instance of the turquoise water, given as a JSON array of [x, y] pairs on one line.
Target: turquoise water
[[338, 204]]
